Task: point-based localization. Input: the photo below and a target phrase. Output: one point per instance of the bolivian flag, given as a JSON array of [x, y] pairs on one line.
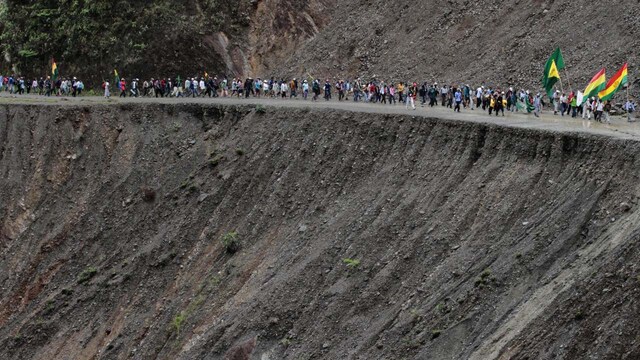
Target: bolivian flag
[[597, 84], [614, 84], [54, 70]]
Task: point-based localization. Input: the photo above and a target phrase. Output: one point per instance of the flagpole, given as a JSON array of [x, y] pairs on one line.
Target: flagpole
[[627, 104], [568, 78]]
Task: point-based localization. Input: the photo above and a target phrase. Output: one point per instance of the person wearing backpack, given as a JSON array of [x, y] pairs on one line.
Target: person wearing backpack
[[315, 88]]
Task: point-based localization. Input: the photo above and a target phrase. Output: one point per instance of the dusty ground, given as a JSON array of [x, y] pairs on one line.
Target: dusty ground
[[363, 234]]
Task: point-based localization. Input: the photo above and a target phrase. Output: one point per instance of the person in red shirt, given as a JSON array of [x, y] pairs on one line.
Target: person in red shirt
[[123, 88]]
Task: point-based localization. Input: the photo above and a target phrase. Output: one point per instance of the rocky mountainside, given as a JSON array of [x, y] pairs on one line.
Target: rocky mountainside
[[498, 43], [166, 231]]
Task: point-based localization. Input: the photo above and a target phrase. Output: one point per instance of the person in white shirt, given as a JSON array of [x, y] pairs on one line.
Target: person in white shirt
[[305, 89], [479, 97]]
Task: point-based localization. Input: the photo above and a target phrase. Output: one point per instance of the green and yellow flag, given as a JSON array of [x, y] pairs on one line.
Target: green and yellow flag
[[551, 71], [54, 70], [117, 77]]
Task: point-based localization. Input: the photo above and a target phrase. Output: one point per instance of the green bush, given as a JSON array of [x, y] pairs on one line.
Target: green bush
[[352, 263], [231, 242], [178, 321], [87, 274]]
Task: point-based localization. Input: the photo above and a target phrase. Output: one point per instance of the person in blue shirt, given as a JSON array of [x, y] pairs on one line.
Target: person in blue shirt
[[458, 99]]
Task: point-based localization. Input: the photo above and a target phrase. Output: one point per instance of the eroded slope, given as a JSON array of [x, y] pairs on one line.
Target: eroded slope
[[461, 240]]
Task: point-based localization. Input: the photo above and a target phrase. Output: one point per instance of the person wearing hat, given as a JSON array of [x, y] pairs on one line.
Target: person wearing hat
[[556, 102], [537, 105], [123, 87], [305, 89]]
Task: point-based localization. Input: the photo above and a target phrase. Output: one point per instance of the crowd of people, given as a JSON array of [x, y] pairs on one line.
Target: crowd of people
[[493, 100], [44, 86]]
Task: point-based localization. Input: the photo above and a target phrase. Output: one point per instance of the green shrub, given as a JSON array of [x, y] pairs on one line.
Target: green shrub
[[86, 275], [352, 263], [261, 109], [178, 321], [231, 242]]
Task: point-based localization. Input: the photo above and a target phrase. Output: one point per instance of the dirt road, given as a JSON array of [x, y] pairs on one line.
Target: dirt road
[[619, 127]]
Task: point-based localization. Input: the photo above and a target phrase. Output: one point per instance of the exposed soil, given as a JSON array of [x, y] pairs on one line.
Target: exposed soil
[[360, 236], [460, 41]]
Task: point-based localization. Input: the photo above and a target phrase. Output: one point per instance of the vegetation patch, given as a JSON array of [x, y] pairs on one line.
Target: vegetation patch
[[230, 242], [351, 263], [86, 275]]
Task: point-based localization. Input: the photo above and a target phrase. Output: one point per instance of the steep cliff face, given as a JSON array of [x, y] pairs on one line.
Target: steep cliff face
[[280, 28], [358, 236]]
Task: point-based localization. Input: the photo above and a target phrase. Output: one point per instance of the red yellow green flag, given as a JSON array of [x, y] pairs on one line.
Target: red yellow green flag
[[597, 84], [614, 84]]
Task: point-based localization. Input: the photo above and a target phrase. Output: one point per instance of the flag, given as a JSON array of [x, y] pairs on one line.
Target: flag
[[551, 71], [206, 75], [528, 105], [117, 77], [54, 70], [614, 84], [597, 84], [580, 98]]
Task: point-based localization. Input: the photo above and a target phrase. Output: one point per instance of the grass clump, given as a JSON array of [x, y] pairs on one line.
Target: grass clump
[[87, 274], [352, 263], [215, 161], [231, 242], [484, 279], [261, 109], [435, 334], [178, 321]]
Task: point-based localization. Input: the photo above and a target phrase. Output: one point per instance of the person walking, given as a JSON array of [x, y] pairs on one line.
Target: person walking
[[105, 86], [537, 105], [327, 90], [458, 99], [411, 96]]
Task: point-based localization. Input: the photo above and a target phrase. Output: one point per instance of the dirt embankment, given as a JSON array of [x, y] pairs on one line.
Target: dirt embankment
[[361, 236]]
